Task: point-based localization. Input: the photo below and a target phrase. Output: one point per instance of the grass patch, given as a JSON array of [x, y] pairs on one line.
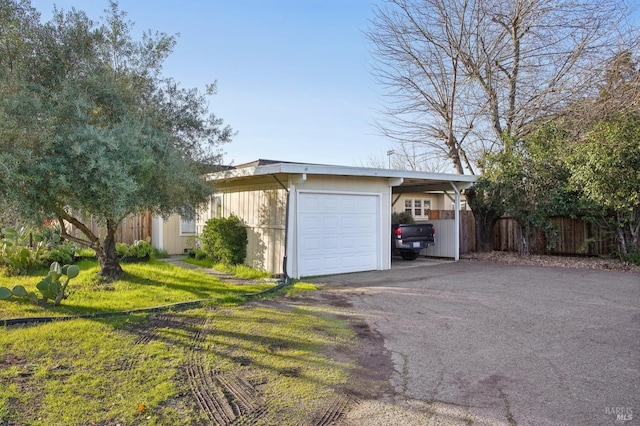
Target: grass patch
[[203, 263], [81, 371], [143, 285], [102, 372], [289, 360], [299, 287], [85, 253], [242, 271]]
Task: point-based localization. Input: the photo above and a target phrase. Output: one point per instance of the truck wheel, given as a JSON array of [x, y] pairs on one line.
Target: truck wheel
[[409, 255]]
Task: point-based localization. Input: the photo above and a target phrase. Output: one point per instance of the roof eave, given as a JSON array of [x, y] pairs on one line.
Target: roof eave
[[319, 169]]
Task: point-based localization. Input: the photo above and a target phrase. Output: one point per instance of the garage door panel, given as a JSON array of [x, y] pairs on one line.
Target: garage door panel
[[311, 243], [330, 224], [337, 233]]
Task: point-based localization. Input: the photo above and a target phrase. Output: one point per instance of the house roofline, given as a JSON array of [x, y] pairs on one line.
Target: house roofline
[[271, 167]]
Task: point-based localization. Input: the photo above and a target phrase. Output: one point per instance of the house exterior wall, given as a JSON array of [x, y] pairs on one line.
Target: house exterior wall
[[261, 206], [438, 201], [261, 203], [172, 242], [346, 185]]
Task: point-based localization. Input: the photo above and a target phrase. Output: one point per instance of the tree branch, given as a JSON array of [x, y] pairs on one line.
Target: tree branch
[[92, 241]]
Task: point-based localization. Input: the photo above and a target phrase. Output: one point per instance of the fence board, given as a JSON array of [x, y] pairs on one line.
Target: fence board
[[132, 228], [575, 237], [467, 227]]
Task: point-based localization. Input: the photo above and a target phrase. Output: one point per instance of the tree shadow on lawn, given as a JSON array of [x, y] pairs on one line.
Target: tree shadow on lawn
[[138, 290], [265, 345], [202, 286], [280, 349]]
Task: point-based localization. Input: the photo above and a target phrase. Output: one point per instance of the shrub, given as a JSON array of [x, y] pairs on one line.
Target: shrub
[[62, 253], [224, 240], [16, 255], [403, 217], [122, 249], [49, 235], [139, 249], [633, 255]]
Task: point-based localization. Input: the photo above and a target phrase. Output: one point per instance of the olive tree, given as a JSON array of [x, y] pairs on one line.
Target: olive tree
[[90, 128]]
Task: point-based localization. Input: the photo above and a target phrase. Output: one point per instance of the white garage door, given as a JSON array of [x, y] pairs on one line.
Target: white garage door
[[337, 233]]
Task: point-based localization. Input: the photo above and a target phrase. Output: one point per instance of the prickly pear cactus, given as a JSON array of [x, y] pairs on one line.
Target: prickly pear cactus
[[51, 286], [18, 291], [5, 293]]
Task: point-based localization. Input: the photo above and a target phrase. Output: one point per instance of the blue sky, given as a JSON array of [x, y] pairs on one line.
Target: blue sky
[[293, 76]]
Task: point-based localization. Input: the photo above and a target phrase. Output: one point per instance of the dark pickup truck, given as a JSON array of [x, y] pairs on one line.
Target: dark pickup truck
[[408, 239]]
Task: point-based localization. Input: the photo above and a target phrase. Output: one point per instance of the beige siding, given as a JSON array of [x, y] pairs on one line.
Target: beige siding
[[262, 209], [438, 201], [355, 185], [172, 241]]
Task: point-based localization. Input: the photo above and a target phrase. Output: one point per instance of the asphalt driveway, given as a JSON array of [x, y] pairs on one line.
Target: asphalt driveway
[[481, 343]]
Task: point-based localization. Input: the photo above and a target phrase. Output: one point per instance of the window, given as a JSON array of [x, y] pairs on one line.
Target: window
[[187, 226], [463, 205], [417, 207], [216, 206]]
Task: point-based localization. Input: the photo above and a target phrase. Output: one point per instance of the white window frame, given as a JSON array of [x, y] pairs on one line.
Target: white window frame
[[421, 204], [215, 206], [191, 224], [463, 205]]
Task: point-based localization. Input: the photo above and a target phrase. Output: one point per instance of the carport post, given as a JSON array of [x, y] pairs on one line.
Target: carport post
[[456, 223]]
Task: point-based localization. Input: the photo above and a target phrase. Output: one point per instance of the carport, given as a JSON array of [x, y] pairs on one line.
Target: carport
[[323, 219], [450, 185]]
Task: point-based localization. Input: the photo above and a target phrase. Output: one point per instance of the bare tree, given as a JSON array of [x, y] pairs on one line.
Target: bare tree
[[463, 75], [418, 63], [403, 156]]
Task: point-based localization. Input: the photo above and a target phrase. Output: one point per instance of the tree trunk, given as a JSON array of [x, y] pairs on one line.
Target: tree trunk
[[110, 269], [525, 241], [485, 214], [622, 241], [485, 222]]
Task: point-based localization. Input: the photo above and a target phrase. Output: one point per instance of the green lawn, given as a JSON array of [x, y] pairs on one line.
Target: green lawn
[[277, 362], [143, 285], [241, 271]]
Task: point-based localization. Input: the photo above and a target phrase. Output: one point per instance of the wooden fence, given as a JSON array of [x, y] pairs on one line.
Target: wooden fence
[[575, 237], [133, 228], [467, 227]]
